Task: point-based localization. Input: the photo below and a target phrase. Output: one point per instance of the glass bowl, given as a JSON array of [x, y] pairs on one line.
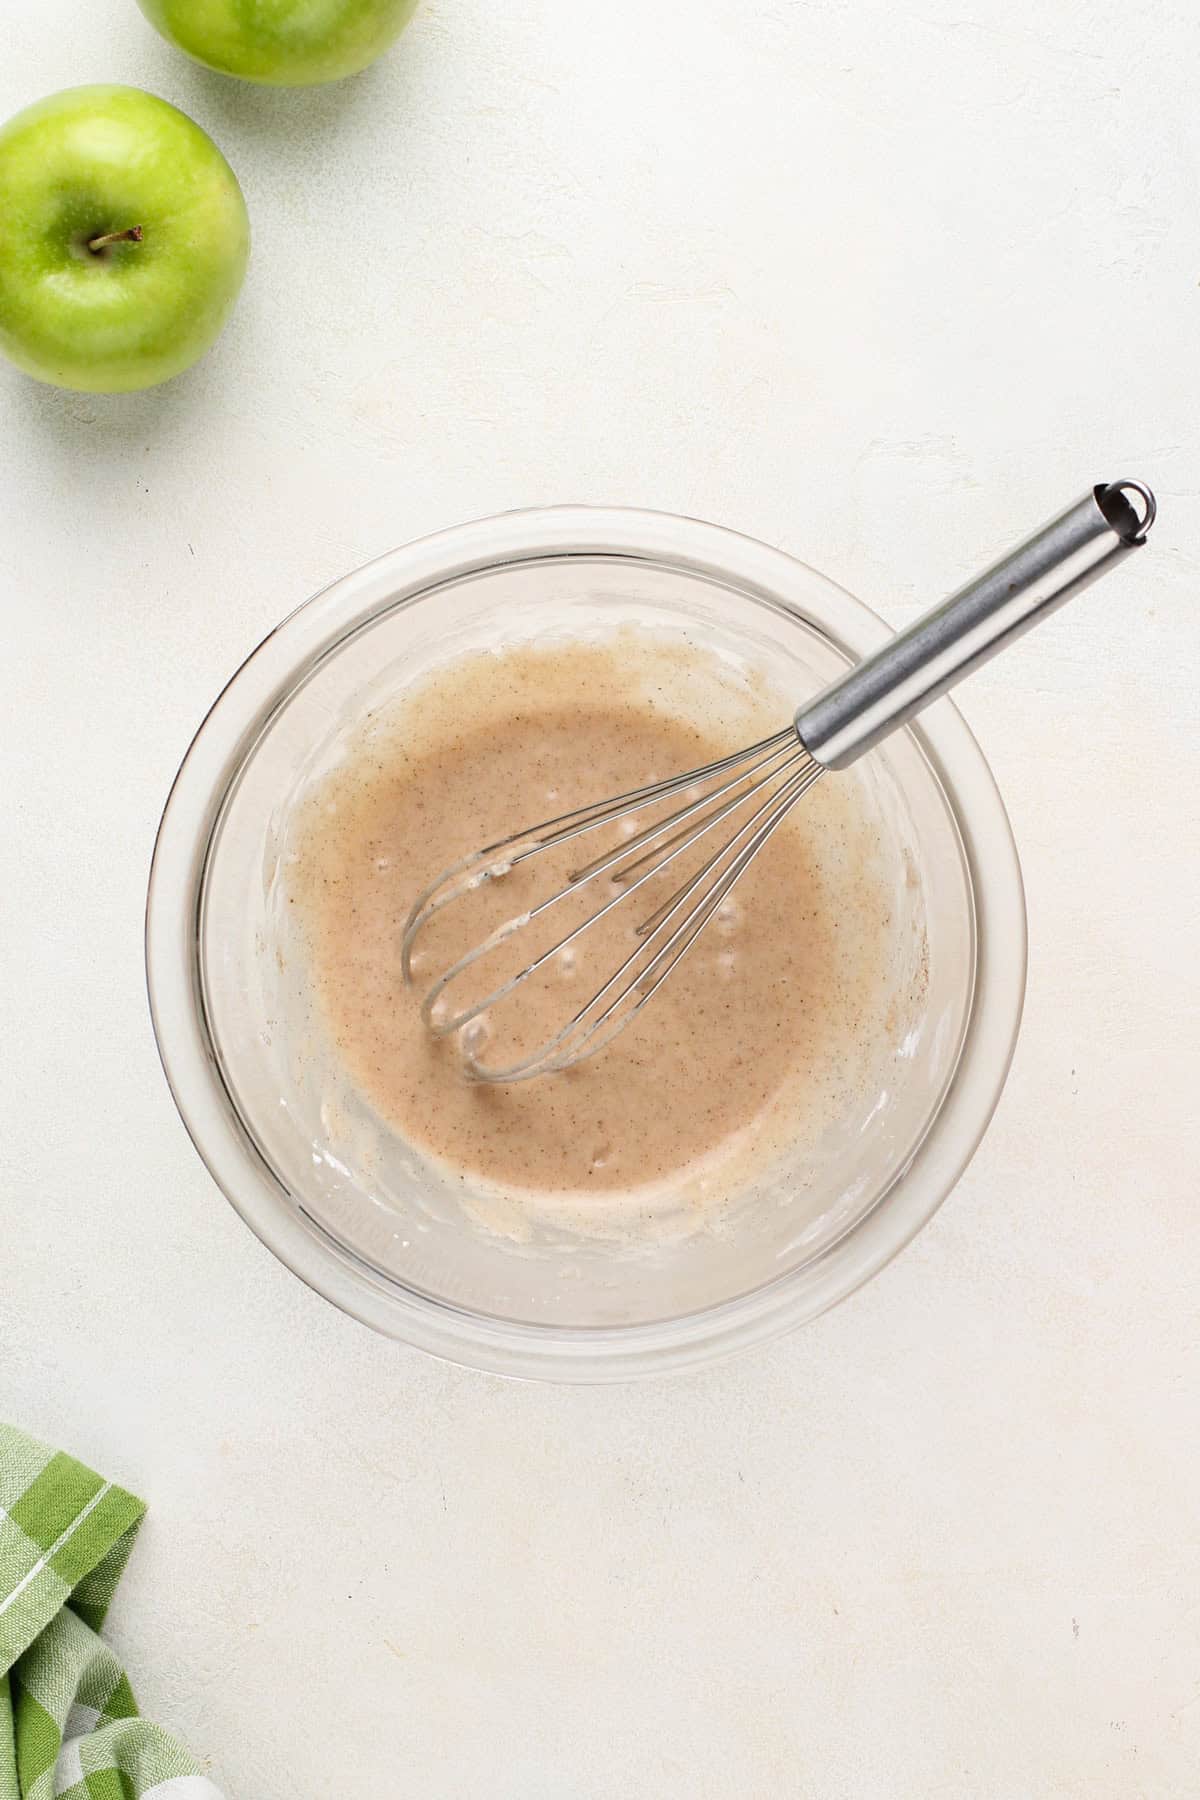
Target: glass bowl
[[345, 1207]]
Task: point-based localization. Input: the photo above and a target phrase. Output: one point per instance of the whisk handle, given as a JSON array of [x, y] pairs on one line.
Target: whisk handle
[[922, 663]]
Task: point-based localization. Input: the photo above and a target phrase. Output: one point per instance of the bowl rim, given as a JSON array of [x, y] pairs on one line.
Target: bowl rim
[[225, 738]]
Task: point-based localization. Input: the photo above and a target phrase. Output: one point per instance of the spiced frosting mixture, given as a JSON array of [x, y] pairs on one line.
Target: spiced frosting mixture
[[769, 1028]]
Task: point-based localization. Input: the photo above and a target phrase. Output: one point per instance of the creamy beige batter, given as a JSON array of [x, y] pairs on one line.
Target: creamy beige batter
[[760, 1036]]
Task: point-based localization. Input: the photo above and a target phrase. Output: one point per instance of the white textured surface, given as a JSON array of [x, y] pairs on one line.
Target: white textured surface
[[883, 285]]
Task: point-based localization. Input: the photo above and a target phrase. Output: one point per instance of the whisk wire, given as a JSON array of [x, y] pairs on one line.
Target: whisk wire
[[778, 767], [493, 864], [552, 1054], [447, 1026], [458, 881]]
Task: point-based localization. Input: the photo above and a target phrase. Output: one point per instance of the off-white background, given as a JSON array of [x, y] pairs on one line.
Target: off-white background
[[884, 284]]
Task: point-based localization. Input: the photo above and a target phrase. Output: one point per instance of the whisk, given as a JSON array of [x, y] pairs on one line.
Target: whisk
[[748, 793]]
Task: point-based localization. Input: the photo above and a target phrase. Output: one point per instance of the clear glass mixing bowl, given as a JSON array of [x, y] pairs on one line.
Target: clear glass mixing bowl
[[371, 1231]]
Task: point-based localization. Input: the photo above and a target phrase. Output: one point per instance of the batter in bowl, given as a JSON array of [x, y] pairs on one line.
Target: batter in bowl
[[770, 1028]]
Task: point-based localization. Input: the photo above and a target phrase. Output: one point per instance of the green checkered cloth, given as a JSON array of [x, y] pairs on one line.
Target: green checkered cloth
[[69, 1728]]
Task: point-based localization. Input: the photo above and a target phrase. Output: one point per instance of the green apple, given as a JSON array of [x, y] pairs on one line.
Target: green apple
[[123, 240], [288, 43]]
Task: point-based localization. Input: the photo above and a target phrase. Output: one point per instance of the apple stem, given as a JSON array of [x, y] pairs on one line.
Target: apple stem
[[134, 235]]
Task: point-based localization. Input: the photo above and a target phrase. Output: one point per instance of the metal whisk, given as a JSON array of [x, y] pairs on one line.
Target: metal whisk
[[750, 792]]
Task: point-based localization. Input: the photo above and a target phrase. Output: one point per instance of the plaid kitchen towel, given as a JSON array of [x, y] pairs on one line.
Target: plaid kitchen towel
[[69, 1729]]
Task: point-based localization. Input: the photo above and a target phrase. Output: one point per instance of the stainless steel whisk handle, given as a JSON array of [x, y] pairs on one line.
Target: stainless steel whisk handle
[[922, 663]]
